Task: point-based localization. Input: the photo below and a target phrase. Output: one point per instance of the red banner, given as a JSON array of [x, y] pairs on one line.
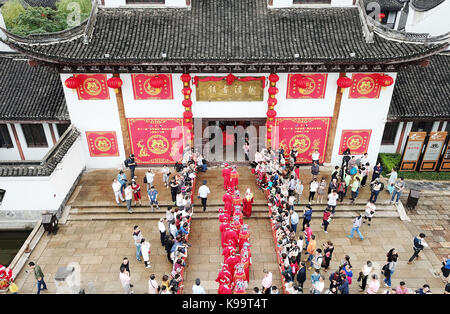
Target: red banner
[[92, 86], [306, 134], [156, 140], [102, 144], [356, 140], [365, 85], [143, 90], [314, 89]]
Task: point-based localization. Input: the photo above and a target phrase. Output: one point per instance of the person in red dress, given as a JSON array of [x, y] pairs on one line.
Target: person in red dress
[[227, 251], [231, 261], [246, 260], [224, 276], [228, 202], [240, 287], [237, 200], [247, 202], [224, 227], [238, 213], [244, 236], [223, 216], [230, 237], [234, 178], [226, 173], [239, 272], [225, 289], [136, 193], [236, 225]]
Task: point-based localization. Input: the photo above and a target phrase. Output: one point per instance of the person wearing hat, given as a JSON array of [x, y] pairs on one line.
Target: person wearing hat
[[234, 178], [247, 203], [203, 192], [226, 172], [197, 289]]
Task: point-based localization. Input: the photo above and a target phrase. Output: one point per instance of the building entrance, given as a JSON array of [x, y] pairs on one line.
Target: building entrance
[[224, 139]]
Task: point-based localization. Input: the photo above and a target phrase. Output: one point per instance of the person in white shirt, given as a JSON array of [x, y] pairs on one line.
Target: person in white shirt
[[298, 190], [169, 213], [370, 210], [152, 285], [145, 250], [166, 174], [313, 186], [129, 197], [197, 289], [116, 188], [162, 230], [173, 229], [203, 192], [315, 156], [365, 159], [318, 286], [125, 280], [367, 268], [150, 176], [332, 198]]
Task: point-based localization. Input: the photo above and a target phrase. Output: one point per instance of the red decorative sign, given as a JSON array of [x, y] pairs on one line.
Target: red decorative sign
[[356, 140], [157, 140], [143, 90], [315, 87], [92, 86], [102, 144], [365, 85], [306, 134]]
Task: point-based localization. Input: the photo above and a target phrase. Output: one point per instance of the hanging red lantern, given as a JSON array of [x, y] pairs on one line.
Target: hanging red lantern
[[114, 82], [344, 82], [273, 78], [72, 82], [272, 102], [269, 135], [187, 103], [230, 79], [273, 90], [302, 82], [186, 91], [156, 81], [381, 16], [187, 115], [185, 77], [271, 113], [385, 80]]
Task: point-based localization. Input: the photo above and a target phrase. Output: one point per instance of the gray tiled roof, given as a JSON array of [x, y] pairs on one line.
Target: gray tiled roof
[[227, 31], [386, 5], [44, 167], [30, 93], [425, 5], [423, 92], [42, 3]]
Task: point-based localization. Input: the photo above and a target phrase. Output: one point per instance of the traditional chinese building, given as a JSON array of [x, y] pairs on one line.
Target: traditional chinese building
[[319, 74]]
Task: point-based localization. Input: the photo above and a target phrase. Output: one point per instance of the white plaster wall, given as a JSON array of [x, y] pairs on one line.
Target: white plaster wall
[[342, 2], [364, 114], [281, 3], [34, 153], [43, 193], [95, 115], [434, 22], [392, 149], [10, 153], [3, 47], [155, 108]]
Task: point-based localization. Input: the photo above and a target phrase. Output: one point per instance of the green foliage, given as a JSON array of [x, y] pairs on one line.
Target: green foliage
[[389, 161], [10, 10], [37, 20]]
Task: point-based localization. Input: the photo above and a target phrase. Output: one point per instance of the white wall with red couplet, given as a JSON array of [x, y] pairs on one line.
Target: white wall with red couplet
[[95, 115], [363, 114]]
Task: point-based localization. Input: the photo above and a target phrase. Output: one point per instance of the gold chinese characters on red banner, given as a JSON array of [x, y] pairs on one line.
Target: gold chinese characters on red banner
[[365, 85], [356, 140], [157, 140], [92, 87], [315, 86], [102, 144], [143, 89]]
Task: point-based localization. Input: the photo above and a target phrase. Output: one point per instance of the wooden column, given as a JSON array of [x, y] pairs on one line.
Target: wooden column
[[402, 135], [333, 124], [123, 120], [52, 133], [16, 138]]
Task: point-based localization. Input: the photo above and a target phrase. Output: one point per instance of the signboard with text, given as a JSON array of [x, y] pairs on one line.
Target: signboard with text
[[445, 164], [433, 151], [413, 150], [220, 90]]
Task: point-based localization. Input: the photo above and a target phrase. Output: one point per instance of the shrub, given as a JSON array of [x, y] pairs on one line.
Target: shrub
[[36, 20], [10, 10], [389, 161]]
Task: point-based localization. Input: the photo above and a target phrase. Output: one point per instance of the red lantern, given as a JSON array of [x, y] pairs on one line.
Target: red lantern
[[270, 126], [273, 78], [269, 135], [156, 81], [344, 82], [271, 113], [273, 90], [114, 82], [385, 80], [187, 115], [302, 82], [187, 103], [381, 16], [185, 77], [272, 102], [230, 79], [186, 91], [72, 82]]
